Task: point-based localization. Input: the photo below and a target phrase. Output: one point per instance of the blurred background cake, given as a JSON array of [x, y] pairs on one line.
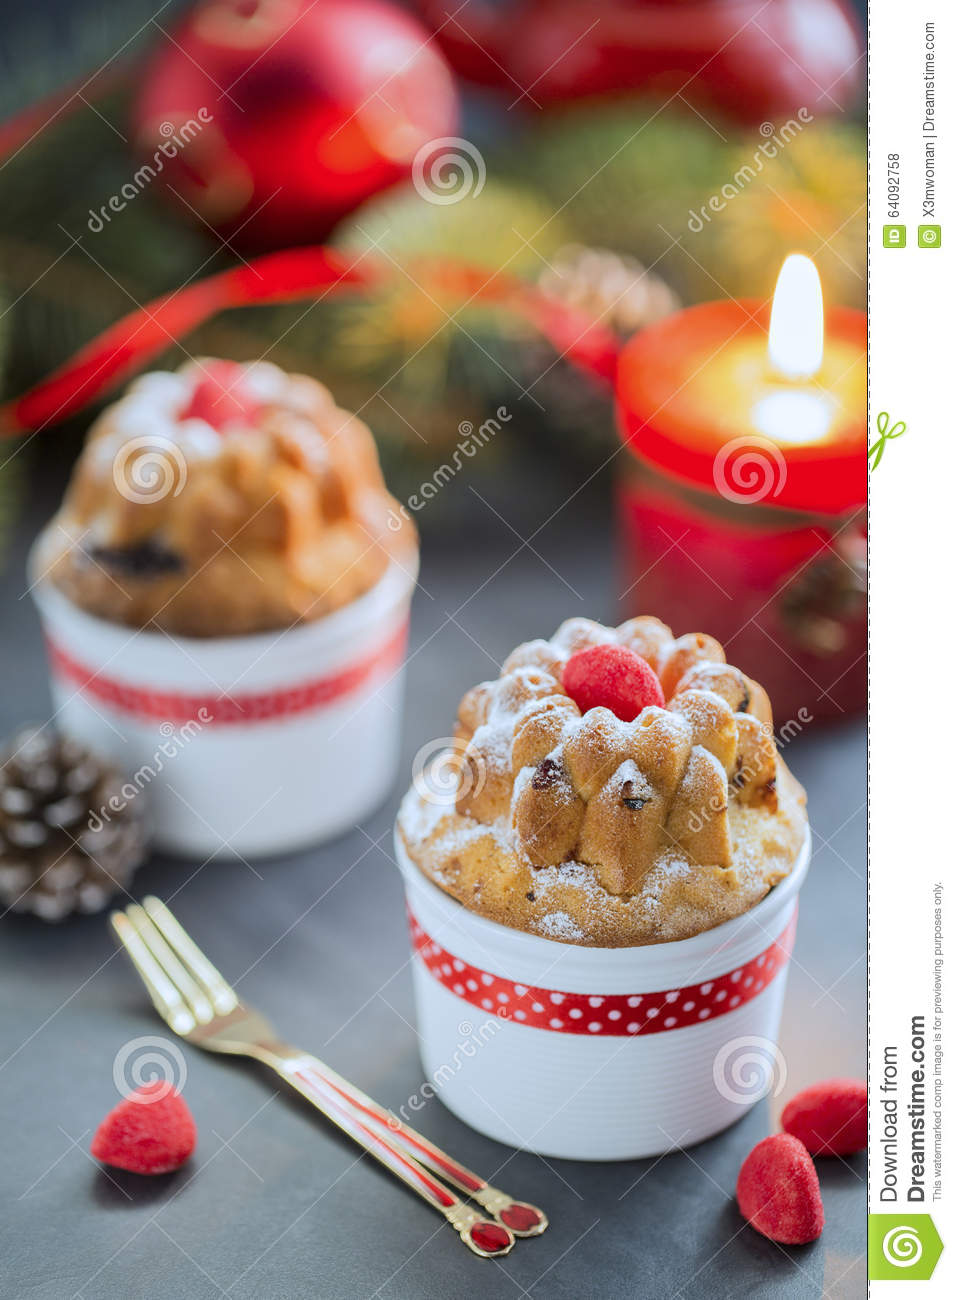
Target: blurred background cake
[[223, 499]]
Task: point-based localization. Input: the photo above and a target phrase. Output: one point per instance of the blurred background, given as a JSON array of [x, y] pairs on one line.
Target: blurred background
[[591, 148]]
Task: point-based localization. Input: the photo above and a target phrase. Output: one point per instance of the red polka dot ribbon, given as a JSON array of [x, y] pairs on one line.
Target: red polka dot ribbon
[[617, 1014], [226, 708]]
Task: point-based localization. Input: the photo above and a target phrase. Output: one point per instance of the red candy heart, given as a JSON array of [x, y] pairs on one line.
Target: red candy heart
[[220, 396], [778, 1191], [830, 1118], [613, 677], [149, 1132]]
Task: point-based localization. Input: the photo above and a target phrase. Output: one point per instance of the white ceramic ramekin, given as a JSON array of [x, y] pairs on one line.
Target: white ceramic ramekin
[[598, 1053], [248, 745]]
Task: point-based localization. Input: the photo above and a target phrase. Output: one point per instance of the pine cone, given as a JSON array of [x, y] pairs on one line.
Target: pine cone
[[828, 594], [611, 287], [63, 848]]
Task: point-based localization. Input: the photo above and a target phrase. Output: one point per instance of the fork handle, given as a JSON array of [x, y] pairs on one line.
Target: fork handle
[[306, 1074], [310, 1085], [433, 1157], [420, 1146]]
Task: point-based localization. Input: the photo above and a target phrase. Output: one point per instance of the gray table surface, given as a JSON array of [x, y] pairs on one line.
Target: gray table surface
[[276, 1204]]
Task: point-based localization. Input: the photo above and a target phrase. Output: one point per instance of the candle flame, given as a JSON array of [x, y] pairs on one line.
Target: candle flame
[[796, 332], [793, 415]]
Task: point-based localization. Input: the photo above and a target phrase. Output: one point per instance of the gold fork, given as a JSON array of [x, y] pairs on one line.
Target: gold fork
[[198, 1004]]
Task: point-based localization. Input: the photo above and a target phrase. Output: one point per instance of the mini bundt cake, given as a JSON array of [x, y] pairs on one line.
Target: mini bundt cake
[[223, 499], [615, 786]]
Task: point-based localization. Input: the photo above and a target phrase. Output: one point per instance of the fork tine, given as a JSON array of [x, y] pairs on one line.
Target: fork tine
[[205, 974], [194, 997], [165, 995]]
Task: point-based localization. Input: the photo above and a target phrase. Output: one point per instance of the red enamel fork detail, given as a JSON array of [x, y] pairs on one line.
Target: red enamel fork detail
[[522, 1219], [480, 1234]]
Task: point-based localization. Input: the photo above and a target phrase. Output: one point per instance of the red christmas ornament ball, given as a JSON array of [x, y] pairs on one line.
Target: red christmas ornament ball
[[269, 120], [751, 59]]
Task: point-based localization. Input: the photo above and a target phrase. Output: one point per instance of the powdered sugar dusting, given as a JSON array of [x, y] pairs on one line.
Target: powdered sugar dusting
[[569, 875], [493, 740], [421, 819], [559, 925], [589, 829]]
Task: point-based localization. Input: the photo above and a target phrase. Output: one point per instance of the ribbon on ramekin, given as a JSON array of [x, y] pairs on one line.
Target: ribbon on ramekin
[[226, 707], [619, 1015]]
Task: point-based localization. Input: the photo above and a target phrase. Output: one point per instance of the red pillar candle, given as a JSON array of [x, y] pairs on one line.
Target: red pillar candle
[[741, 505]]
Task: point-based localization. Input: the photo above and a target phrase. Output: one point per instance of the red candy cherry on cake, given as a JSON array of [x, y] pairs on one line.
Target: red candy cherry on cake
[[778, 1191], [149, 1132], [612, 677], [221, 397], [830, 1117]]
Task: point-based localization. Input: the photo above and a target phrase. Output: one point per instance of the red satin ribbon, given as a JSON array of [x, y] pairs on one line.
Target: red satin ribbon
[[313, 272], [226, 708]]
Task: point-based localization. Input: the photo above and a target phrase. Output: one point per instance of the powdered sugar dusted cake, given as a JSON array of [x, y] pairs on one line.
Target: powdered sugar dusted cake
[[223, 499], [614, 786]]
